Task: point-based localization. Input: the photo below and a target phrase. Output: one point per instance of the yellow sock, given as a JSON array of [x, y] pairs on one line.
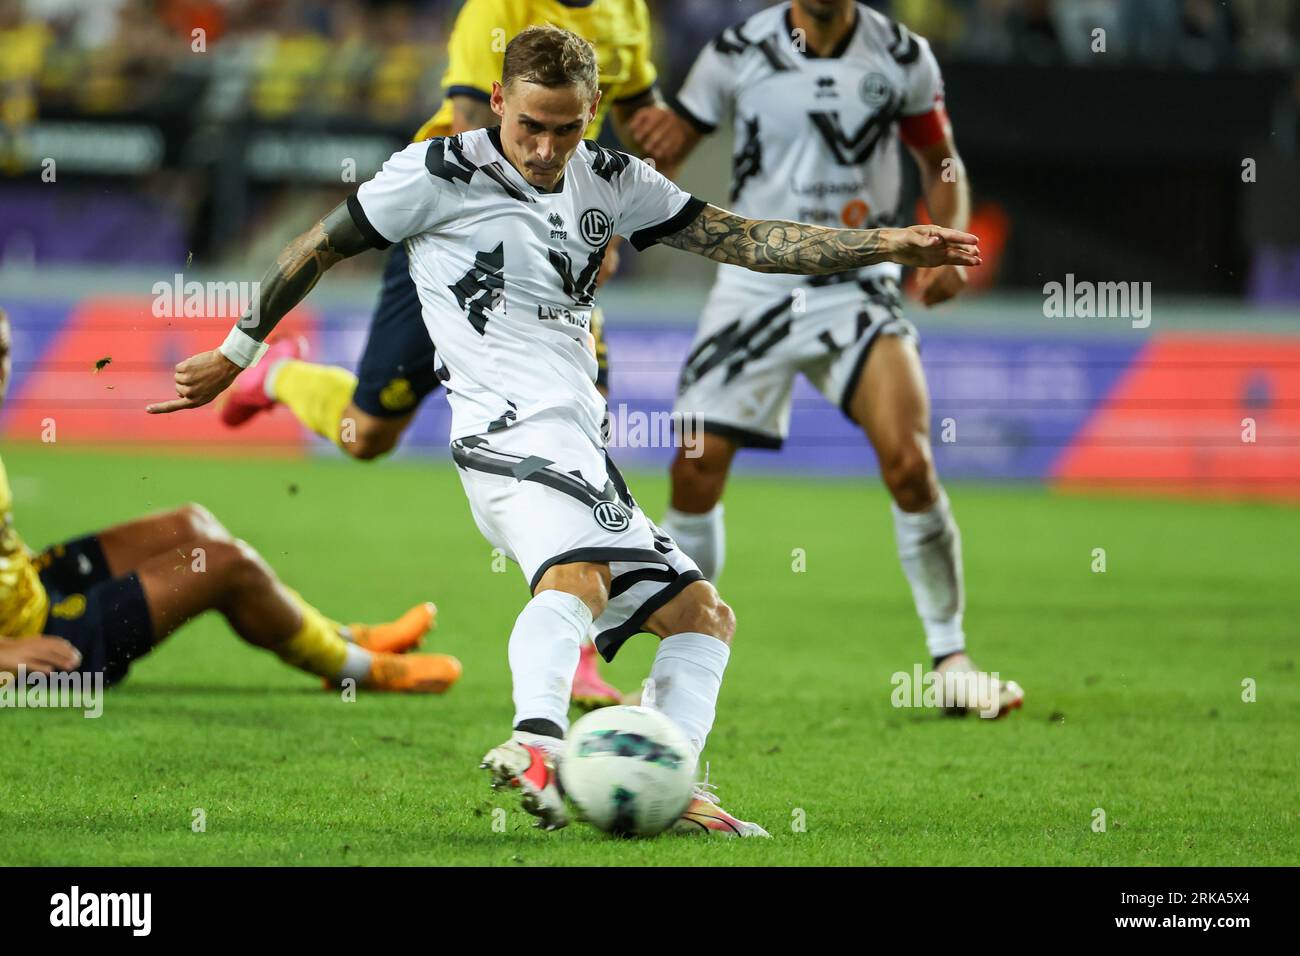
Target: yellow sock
[[316, 394], [317, 648], [302, 602]]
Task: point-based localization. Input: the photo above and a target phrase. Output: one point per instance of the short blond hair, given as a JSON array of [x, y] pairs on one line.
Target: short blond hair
[[551, 57]]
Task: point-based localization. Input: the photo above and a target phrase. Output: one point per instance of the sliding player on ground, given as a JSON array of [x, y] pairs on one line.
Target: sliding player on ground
[[365, 414], [507, 294], [99, 602], [822, 92]]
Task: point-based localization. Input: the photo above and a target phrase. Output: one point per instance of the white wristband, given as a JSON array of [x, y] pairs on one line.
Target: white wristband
[[241, 348]]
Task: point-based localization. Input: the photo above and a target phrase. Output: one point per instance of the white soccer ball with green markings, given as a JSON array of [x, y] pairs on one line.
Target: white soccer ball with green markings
[[629, 770]]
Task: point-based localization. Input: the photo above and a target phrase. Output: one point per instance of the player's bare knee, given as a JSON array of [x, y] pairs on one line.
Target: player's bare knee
[[697, 610], [587, 582], [696, 481], [197, 523], [371, 442], [910, 477], [246, 568], [723, 621]]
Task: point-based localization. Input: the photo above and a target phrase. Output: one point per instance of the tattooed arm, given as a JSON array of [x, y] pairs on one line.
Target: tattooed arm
[[202, 377], [773, 245]]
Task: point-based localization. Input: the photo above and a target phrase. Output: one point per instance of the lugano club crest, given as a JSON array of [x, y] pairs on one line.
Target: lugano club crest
[[595, 227]]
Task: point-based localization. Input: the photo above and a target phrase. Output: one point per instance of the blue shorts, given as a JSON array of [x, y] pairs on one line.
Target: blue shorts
[[397, 367], [103, 617]]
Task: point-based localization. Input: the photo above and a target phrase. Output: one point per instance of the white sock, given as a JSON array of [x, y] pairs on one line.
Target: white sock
[[544, 654], [929, 546], [687, 674], [356, 665], [702, 536], [268, 382]]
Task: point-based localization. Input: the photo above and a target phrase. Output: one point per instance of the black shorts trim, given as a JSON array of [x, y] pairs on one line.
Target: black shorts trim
[[608, 642], [877, 328], [703, 127], [398, 369], [473, 92], [744, 437], [645, 238], [625, 582], [363, 224], [597, 556]]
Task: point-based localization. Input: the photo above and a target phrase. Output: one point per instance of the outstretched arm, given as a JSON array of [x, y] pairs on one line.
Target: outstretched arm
[[202, 377], [773, 245]]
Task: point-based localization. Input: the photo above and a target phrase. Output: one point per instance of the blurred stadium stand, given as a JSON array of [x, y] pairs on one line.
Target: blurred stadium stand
[[197, 136]]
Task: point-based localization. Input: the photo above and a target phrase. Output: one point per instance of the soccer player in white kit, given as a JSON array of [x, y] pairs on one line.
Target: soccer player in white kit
[[505, 230], [822, 92]]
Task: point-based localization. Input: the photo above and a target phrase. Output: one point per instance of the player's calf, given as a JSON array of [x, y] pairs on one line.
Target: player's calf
[[696, 628], [694, 517], [366, 437]]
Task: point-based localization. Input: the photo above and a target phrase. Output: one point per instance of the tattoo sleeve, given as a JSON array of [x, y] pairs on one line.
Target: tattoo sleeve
[[300, 265], [774, 245]]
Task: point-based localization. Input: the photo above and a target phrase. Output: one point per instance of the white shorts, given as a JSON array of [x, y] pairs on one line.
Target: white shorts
[[544, 494], [738, 379]]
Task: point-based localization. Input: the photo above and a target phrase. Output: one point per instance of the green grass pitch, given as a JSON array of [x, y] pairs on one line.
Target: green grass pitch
[[1133, 680]]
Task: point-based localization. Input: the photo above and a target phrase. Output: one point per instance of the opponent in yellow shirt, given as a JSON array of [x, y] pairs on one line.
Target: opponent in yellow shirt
[[618, 29], [97, 603], [24, 604]]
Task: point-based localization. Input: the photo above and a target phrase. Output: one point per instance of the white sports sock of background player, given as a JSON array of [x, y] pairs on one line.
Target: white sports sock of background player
[[929, 547], [702, 536], [687, 674], [543, 652]]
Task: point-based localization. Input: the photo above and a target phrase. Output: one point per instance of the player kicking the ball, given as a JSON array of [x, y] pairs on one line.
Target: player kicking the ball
[[100, 602], [821, 92], [396, 372], [505, 229]]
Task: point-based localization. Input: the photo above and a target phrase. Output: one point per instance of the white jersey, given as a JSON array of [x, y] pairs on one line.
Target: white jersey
[[506, 273], [814, 136]]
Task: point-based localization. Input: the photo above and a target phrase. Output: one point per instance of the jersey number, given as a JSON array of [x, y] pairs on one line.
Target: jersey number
[[482, 287]]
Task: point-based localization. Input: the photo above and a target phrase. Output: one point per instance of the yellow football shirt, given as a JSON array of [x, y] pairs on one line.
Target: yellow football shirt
[[618, 29], [24, 605]]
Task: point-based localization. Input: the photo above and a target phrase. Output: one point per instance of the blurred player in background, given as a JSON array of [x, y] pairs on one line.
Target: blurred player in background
[[97, 603], [365, 414], [822, 91]]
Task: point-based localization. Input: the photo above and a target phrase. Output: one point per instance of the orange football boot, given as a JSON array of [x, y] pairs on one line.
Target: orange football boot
[[397, 637], [412, 673]]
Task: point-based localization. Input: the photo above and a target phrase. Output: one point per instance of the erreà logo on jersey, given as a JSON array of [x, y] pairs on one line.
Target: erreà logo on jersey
[[557, 226], [611, 516]]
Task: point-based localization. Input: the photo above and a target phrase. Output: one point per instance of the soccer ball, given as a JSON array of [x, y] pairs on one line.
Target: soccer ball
[[629, 770]]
